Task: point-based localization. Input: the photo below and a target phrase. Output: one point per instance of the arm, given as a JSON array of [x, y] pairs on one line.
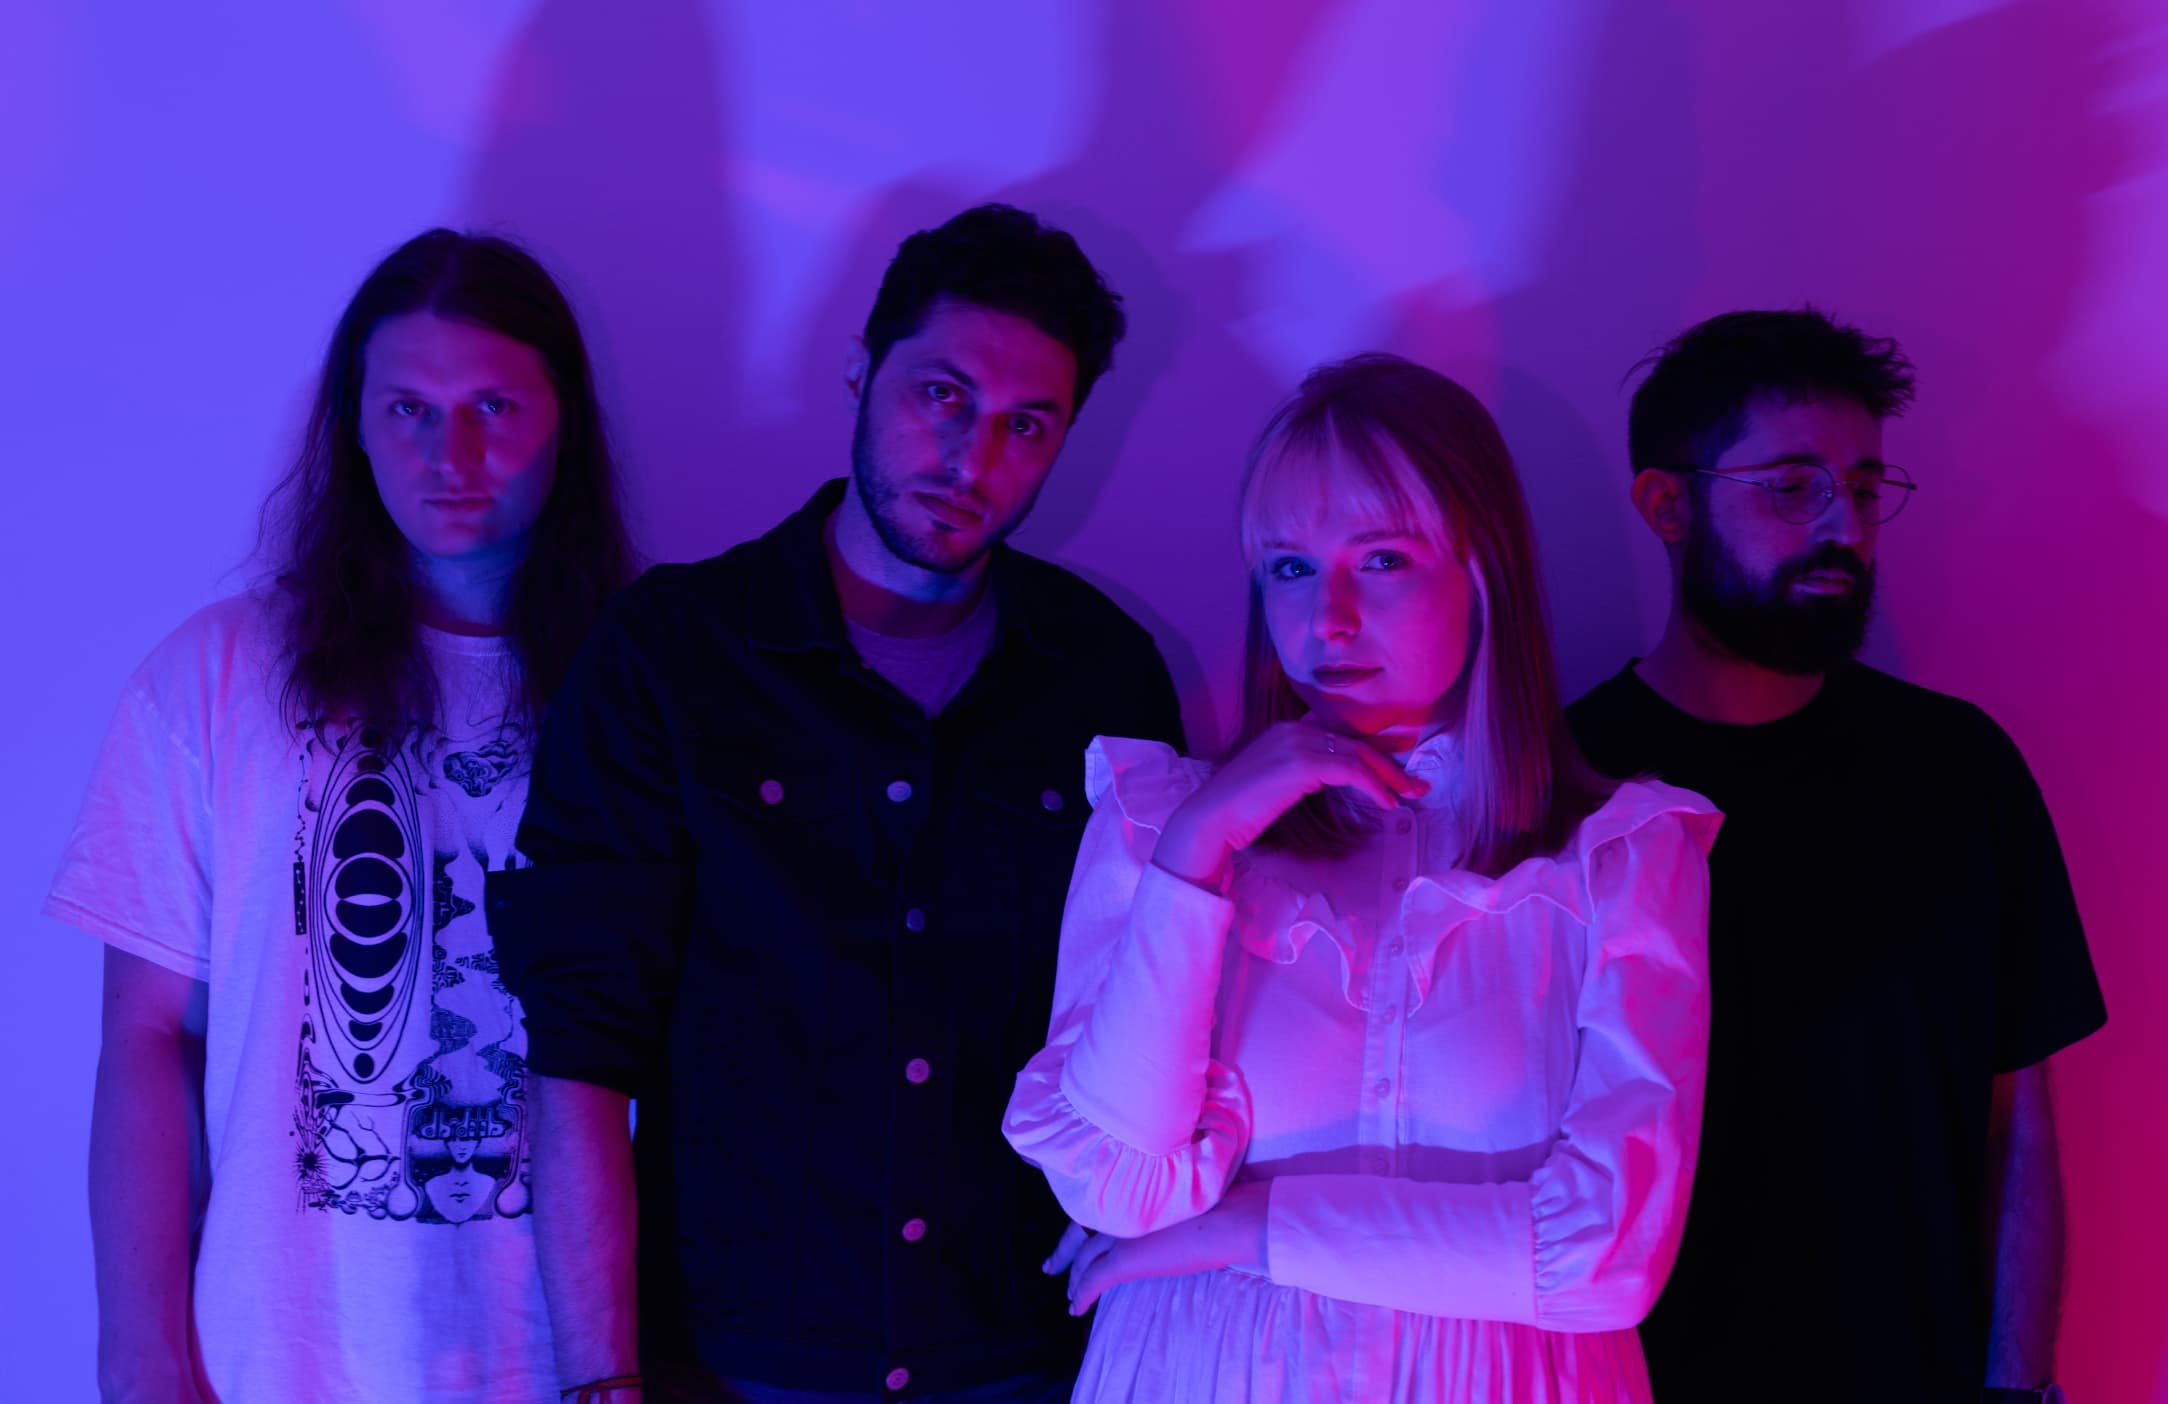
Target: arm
[[585, 1227], [1586, 1242], [1136, 1125], [2025, 1204], [1147, 1131], [148, 1179]]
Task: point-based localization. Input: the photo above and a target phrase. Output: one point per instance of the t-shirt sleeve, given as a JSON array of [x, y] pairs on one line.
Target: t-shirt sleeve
[[590, 934], [136, 873], [2049, 996]]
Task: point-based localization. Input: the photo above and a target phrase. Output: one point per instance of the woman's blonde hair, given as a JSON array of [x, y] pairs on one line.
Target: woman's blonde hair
[[1426, 454]]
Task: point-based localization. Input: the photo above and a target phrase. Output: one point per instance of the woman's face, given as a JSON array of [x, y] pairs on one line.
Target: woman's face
[[1371, 612], [460, 427]]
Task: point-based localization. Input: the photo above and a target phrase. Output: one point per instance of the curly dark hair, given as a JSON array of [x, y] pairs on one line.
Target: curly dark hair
[[1693, 403], [343, 570], [1001, 257]]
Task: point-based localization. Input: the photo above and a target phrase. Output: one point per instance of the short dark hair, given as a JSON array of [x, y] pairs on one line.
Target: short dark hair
[[342, 566], [1001, 257], [1693, 403]]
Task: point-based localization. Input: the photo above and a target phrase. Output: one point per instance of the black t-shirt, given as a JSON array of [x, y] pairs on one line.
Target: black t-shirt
[[1890, 925]]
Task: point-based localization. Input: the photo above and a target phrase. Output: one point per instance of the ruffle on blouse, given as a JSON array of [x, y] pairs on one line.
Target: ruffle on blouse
[[1275, 920]]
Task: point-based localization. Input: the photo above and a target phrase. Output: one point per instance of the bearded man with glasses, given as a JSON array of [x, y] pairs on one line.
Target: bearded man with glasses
[[1894, 949]]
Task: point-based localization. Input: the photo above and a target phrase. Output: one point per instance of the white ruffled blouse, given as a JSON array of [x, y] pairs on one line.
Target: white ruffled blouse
[[1477, 1099]]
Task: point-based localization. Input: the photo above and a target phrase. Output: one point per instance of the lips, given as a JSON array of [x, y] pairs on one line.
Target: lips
[[1827, 582], [1340, 676], [458, 504], [947, 510]]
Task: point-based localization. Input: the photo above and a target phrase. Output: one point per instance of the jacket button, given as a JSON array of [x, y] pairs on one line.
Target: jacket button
[[914, 1230], [771, 792], [1052, 801], [917, 1070], [898, 1378], [899, 790]]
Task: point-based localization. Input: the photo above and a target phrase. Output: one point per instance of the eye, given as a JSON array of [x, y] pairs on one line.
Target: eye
[[1288, 568], [408, 409], [494, 405], [942, 393], [1797, 485], [1387, 560], [1023, 426]]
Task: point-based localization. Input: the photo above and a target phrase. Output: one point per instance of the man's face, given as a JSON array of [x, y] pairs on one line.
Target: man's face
[[459, 423], [1793, 597], [956, 432]]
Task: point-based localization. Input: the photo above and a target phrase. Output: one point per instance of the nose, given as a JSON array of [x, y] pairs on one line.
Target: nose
[[459, 445], [975, 449], [1840, 521], [1336, 614]]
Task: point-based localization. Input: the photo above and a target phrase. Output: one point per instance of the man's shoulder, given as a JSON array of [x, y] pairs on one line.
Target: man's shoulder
[[716, 590], [1920, 715], [1061, 600]]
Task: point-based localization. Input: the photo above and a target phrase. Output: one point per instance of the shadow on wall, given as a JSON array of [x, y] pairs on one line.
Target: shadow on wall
[[1614, 277], [605, 152]]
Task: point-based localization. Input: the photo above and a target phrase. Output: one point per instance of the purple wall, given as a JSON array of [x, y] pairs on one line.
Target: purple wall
[[1527, 195]]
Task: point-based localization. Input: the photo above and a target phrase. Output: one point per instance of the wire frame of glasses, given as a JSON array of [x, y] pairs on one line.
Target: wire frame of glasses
[[1800, 492]]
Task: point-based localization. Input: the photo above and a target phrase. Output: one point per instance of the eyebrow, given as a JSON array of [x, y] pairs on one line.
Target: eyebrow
[[1815, 460], [955, 372], [1359, 539], [408, 390]]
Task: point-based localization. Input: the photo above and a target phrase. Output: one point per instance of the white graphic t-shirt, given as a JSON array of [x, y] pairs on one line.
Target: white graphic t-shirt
[[368, 1235]]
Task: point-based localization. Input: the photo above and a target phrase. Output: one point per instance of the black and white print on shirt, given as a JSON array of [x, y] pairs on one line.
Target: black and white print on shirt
[[411, 1072]]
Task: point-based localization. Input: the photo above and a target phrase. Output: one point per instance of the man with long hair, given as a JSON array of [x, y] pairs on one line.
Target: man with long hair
[[801, 829], [1894, 950], [306, 1051]]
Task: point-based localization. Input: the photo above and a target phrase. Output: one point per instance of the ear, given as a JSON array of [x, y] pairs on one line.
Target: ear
[[857, 368], [1661, 498]]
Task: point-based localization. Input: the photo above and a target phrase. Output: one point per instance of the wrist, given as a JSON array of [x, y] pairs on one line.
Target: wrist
[[1194, 854]]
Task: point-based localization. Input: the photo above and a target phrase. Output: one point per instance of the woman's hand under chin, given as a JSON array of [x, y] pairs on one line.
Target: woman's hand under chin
[[1263, 781], [1231, 1234]]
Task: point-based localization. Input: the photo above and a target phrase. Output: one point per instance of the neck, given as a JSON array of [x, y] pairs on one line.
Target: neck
[[890, 596], [467, 596], [1701, 678]]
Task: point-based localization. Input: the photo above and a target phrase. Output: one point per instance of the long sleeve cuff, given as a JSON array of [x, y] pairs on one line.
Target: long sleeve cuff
[[1438, 1249]]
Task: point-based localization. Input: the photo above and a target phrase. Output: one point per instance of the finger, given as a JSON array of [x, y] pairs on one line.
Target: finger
[[1095, 1248], [1381, 767], [1357, 767], [1086, 1288], [1072, 1239]]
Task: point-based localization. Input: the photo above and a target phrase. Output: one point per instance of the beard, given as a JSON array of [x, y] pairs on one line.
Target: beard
[[946, 553], [1761, 621]]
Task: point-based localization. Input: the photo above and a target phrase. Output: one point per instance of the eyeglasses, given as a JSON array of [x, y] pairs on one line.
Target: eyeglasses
[[1800, 492]]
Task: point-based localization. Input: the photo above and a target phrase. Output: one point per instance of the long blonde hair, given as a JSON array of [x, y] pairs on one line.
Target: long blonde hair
[[1525, 784]]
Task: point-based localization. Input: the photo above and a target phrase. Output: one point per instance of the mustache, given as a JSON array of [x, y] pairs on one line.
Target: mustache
[[1828, 556]]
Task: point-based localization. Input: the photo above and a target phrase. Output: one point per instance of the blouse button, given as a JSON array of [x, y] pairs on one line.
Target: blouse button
[[914, 920], [1376, 1161], [1392, 1012], [899, 790], [1382, 1086], [1403, 825], [1393, 949], [917, 1070], [1051, 801], [914, 1230], [898, 1378], [771, 792], [1400, 884]]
